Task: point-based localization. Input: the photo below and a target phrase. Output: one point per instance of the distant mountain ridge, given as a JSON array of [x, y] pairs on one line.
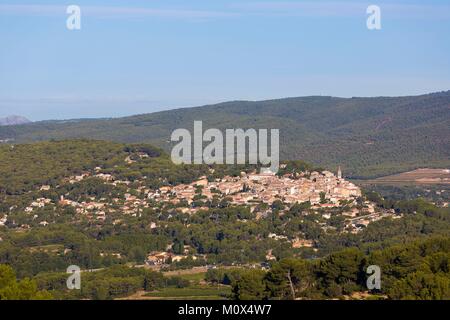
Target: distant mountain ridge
[[13, 120], [368, 137]]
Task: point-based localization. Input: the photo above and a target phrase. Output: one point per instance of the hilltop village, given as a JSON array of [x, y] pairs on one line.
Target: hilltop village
[[102, 206], [324, 194], [208, 213], [322, 191]]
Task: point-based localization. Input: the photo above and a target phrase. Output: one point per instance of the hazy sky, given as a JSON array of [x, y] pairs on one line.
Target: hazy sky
[[139, 56]]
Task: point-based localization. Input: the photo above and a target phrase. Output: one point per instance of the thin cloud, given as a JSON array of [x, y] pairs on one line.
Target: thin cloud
[[341, 9], [307, 9], [113, 12], [313, 9]]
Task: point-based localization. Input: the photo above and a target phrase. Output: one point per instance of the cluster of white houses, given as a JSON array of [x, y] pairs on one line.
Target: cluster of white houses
[[266, 187], [321, 189]]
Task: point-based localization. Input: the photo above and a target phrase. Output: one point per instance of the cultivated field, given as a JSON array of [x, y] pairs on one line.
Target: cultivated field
[[419, 176], [197, 290]]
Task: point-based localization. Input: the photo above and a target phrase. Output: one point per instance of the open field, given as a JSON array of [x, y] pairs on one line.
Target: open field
[[197, 292], [51, 248], [187, 274], [193, 277], [419, 176]]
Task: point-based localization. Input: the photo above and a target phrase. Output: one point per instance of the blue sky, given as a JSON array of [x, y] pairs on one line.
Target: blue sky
[[142, 56]]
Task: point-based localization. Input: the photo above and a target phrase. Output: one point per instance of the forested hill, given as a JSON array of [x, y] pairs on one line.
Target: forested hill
[[367, 136], [24, 168]]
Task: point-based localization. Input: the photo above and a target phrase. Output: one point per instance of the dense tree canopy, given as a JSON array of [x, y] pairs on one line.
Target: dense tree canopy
[[25, 289]]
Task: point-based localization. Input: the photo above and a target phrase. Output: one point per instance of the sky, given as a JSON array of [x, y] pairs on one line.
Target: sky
[[141, 56]]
